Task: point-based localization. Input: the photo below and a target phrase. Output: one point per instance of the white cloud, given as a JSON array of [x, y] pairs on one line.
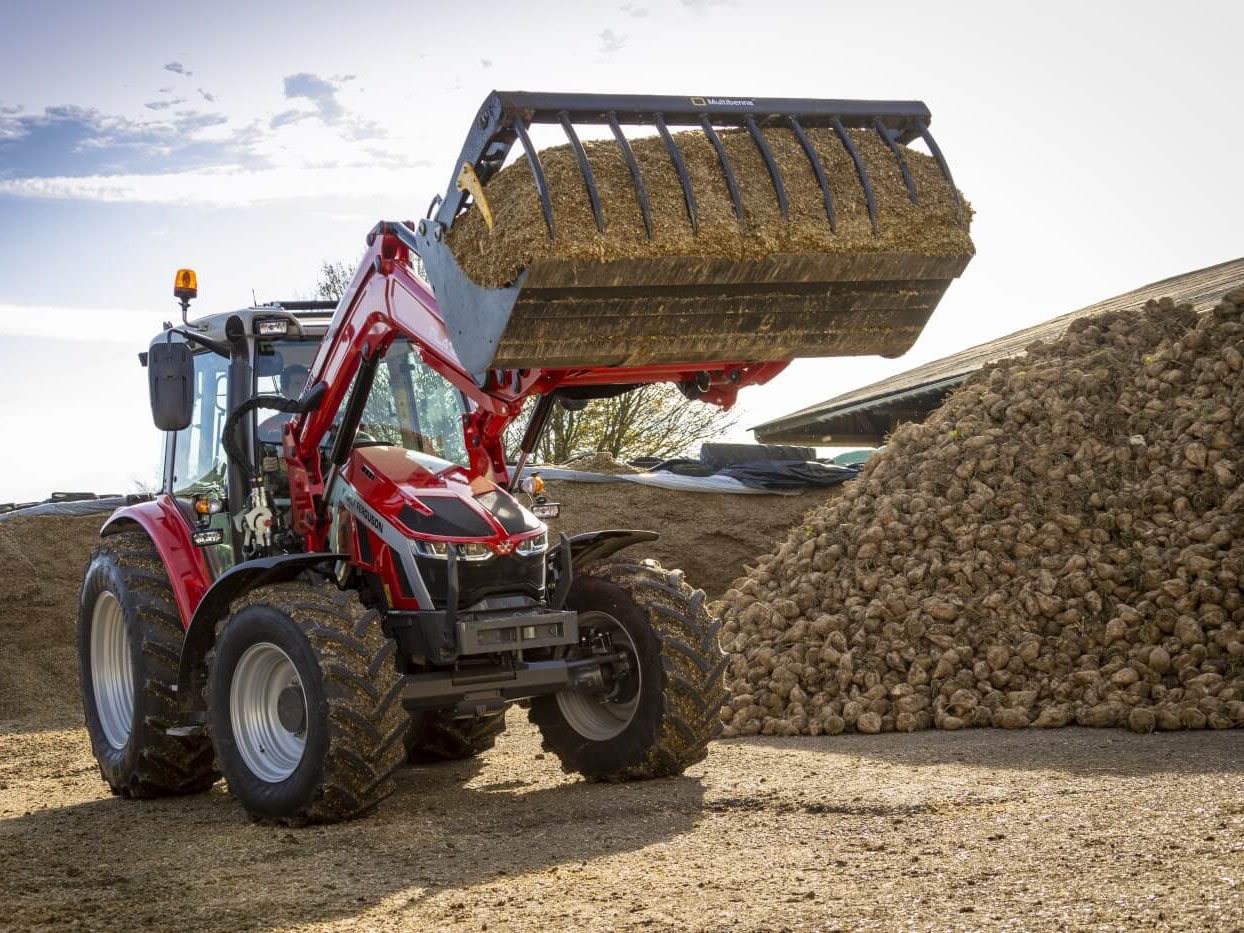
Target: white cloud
[[113, 325], [611, 41], [222, 187]]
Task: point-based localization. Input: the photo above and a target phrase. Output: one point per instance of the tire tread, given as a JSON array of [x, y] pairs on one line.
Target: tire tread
[[692, 662], [365, 715], [166, 765]]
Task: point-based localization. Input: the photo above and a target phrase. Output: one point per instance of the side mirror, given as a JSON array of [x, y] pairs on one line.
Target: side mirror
[[170, 375]]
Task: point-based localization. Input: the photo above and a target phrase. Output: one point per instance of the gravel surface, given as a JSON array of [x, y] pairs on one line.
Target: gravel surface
[[1067, 829]]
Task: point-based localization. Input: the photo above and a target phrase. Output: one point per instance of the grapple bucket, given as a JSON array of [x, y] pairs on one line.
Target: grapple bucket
[[695, 306]]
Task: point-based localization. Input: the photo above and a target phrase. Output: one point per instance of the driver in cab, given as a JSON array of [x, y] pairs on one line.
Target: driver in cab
[[292, 381]]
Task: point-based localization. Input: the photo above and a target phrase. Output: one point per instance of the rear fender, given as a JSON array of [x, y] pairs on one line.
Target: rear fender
[[215, 604], [162, 520]]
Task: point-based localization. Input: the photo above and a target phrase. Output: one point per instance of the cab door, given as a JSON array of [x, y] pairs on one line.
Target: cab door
[[194, 458]]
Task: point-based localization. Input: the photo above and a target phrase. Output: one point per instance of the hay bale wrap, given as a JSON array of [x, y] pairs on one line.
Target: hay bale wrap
[[1062, 542], [767, 288]]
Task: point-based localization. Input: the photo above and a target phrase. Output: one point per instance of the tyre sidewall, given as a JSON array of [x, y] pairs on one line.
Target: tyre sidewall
[[250, 626], [118, 765], [631, 747]]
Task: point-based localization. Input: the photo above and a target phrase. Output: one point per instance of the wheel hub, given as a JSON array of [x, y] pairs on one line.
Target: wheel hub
[[601, 707], [291, 709], [268, 712]]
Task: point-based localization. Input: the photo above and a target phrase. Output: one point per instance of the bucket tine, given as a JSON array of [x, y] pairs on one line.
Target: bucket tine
[[681, 167], [726, 168], [845, 138], [775, 173], [897, 150], [584, 166], [629, 155], [941, 163], [537, 172], [817, 169]]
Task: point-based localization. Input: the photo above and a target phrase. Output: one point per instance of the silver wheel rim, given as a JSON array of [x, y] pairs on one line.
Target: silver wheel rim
[[112, 670], [588, 713], [270, 750]]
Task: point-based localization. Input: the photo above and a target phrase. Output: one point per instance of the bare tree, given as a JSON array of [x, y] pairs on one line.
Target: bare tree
[[652, 421], [334, 279]]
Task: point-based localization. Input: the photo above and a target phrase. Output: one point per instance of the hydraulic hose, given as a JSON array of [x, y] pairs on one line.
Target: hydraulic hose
[[234, 447], [232, 441]]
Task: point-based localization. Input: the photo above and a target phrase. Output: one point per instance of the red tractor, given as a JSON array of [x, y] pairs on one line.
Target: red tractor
[[343, 573]]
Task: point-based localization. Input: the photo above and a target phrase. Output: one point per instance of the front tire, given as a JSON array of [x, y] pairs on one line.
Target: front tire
[[305, 705], [129, 644], [660, 717]]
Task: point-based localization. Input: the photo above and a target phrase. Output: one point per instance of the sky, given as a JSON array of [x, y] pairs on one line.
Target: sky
[[1099, 143]]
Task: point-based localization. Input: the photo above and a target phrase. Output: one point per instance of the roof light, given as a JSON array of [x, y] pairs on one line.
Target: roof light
[[185, 284], [272, 328]]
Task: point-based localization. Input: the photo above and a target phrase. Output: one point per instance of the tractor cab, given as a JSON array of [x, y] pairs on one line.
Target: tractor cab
[[233, 356]]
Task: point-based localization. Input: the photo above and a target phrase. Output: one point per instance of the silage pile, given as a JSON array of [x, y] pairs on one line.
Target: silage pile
[[934, 227], [1062, 542], [43, 559]]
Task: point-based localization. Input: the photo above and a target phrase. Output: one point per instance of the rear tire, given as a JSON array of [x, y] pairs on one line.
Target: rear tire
[[433, 737], [305, 705], [129, 646], [662, 724]]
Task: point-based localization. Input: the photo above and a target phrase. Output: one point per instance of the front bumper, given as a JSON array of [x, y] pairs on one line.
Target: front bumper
[[481, 691], [439, 638]]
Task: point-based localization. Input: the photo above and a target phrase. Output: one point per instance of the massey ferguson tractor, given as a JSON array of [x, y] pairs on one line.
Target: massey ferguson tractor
[[343, 572]]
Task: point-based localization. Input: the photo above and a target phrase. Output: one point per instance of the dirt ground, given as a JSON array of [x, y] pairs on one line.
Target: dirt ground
[[1040, 830]]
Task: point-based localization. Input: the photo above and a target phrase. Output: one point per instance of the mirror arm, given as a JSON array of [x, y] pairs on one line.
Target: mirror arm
[[221, 349]]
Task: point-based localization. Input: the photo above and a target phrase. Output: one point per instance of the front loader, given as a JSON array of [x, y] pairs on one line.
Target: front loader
[[343, 572]]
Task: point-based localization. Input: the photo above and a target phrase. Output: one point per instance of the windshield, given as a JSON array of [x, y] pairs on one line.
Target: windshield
[[411, 405]]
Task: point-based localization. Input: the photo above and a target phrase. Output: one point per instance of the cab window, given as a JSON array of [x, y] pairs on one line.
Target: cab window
[[198, 459]]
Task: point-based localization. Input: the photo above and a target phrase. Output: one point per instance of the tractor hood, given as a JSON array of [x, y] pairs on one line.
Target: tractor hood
[[428, 497]]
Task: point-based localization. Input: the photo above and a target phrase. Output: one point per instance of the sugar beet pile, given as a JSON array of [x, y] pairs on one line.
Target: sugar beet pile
[[1062, 542]]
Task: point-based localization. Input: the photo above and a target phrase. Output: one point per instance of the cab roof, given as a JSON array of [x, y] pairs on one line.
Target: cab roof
[[307, 320]]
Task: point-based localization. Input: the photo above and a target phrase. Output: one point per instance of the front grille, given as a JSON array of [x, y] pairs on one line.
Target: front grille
[[508, 575]]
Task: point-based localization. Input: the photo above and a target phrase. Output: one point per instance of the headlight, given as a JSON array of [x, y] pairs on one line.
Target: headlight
[[537, 545], [472, 551]]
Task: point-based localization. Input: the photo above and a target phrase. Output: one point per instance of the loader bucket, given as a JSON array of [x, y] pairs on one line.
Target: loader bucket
[[773, 229]]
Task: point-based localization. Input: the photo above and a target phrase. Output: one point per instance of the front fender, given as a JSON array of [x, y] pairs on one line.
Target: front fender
[[162, 520], [214, 606], [597, 545]]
